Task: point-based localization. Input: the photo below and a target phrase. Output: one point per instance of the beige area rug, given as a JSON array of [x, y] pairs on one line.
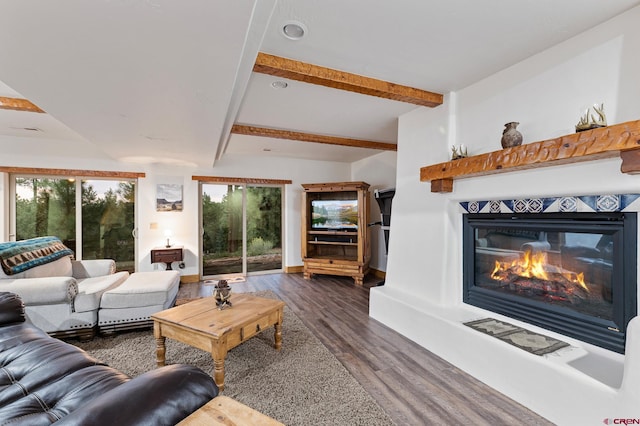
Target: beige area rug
[[529, 341], [303, 384]]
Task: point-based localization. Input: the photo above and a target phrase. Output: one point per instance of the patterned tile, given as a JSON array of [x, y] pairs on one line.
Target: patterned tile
[[495, 206], [568, 204], [534, 205], [520, 206], [583, 203], [550, 204], [627, 201], [608, 203], [588, 203]]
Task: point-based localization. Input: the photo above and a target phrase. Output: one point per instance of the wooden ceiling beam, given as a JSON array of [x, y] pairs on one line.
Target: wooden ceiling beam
[[16, 104], [71, 172], [310, 137], [314, 74]]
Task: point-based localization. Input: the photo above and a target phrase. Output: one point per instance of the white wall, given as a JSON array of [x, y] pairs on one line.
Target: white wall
[[422, 297], [378, 171], [185, 228], [184, 225]]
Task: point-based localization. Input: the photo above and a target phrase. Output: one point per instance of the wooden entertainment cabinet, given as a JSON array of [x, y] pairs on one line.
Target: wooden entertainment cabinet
[[340, 247]]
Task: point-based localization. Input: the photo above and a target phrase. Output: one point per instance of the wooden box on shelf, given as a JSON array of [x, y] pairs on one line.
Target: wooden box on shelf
[[335, 238]]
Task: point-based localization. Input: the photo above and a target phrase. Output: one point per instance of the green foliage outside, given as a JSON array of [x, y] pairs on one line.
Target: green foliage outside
[[107, 222], [48, 207], [258, 247], [49, 211], [222, 222]]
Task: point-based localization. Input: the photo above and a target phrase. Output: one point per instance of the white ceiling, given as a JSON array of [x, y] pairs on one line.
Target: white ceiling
[[162, 81]]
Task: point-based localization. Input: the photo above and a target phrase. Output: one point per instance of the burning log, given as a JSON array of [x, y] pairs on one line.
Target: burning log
[[531, 274], [558, 287]]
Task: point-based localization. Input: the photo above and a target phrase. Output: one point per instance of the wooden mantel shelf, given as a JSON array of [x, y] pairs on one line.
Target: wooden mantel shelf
[[605, 142]]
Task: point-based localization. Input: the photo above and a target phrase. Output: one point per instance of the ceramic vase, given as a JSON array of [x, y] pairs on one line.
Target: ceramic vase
[[511, 136]]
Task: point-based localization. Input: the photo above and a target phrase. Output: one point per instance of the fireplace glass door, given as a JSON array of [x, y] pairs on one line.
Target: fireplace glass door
[[565, 272]]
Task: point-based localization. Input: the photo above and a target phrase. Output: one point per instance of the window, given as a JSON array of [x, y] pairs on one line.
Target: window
[[93, 217], [241, 222], [108, 222], [242, 229], [45, 206]]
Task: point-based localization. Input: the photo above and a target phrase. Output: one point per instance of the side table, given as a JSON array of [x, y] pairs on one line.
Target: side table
[[167, 255]]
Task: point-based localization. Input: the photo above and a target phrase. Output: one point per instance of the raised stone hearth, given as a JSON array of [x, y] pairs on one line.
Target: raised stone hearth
[[589, 372]]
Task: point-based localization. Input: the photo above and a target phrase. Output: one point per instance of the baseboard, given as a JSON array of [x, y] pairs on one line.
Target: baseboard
[[378, 274], [299, 269], [187, 279]]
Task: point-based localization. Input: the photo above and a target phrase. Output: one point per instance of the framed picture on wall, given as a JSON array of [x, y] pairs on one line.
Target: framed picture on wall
[[169, 197]]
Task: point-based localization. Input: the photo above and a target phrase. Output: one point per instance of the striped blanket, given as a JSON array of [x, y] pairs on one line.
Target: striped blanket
[[18, 256]]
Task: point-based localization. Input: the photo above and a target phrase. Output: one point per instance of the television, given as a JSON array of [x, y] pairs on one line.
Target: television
[[334, 215]]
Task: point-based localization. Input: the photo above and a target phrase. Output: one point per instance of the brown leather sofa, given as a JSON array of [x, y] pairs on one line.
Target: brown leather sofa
[[44, 380]]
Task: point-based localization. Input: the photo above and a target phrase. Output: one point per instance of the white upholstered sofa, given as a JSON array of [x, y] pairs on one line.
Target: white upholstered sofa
[[65, 297]]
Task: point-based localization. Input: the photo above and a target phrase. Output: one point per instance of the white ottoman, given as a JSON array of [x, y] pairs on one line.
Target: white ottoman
[[131, 304]]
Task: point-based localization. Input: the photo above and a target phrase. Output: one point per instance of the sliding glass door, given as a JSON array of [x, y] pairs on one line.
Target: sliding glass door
[[45, 206], [264, 228], [108, 222], [241, 229], [94, 218], [222, 219]]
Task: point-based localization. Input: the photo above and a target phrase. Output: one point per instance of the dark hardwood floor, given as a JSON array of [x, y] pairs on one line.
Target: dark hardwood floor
[[411, 384]]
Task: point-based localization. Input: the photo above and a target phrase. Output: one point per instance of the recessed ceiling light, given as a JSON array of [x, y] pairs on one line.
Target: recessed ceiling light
[[294, 30], [279, 84]]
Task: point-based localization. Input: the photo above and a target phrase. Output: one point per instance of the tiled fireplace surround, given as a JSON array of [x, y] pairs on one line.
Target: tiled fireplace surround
[[550, 306], [569, 204], [582, 384]]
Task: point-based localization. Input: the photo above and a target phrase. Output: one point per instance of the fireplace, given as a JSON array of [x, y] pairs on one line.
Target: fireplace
[[572, 273]]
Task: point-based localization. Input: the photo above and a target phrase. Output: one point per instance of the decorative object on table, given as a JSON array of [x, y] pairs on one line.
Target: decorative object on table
[[168, 234], [511, 136], [222, 294], [459, 152], [169, 198], [588, 121]]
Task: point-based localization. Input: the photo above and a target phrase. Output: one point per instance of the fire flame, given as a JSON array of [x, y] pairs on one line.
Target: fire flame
[[535, 265]]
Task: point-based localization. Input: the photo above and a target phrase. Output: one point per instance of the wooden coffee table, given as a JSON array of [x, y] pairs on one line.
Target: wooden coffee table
[[202, 325], [223, 410]]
